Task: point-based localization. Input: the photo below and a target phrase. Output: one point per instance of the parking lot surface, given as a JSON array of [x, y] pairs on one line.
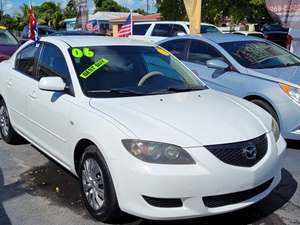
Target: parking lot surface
[[36, 191]]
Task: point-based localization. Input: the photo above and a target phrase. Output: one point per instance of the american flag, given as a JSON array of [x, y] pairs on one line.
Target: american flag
[[126, 29], [33, 30]]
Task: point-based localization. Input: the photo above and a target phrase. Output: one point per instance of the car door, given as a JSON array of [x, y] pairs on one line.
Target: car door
[[198, 53], [19, 79], [50, 110], [139, 31]]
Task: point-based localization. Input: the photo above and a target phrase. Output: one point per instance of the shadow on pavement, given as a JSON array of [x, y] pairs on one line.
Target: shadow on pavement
[[260, 213], [8, 192]]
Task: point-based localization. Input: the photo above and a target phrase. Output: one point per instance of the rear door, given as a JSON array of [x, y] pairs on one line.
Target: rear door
[[139, 31], [19, 80]]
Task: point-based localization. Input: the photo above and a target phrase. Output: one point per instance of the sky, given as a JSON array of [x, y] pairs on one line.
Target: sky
[[13, 6]]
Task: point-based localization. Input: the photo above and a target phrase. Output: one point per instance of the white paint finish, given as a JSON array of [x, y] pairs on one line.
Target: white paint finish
[[56, 121]]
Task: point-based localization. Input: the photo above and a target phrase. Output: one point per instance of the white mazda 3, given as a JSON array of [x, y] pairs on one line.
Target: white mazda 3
[[144, 135]]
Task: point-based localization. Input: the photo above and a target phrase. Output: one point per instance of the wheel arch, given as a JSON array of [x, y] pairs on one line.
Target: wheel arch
[[257, 97], [79, 149]]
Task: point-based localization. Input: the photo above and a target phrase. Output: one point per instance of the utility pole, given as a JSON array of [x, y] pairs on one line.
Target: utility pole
[[147, 6]]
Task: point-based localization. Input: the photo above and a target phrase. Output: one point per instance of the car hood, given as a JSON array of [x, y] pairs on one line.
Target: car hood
[[290, 74], [187, 119]]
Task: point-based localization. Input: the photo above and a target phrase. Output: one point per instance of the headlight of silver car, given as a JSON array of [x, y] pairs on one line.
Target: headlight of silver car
[[275, 129], [156, 152], [292, 92]]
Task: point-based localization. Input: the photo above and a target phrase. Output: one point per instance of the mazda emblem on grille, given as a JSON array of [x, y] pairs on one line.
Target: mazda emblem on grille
[[249, 151]]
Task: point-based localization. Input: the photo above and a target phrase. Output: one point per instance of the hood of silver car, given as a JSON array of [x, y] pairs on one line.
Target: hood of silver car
[[187, 119], [290, 74]]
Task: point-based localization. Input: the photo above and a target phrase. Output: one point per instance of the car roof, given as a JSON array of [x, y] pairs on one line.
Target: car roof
[[92, 40], [172, 22], [220, 38]]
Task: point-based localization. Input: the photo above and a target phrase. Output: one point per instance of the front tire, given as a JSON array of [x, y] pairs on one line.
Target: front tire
[[8, 134], [97, 187]]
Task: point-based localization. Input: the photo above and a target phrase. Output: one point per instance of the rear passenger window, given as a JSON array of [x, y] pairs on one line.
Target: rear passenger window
[[162, 30], [176, 47], [167, 30], [140, 29], [201, 52], [25, 60]]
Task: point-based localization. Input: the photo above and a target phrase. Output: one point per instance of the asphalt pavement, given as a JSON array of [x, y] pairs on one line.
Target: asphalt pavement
[[36, 191]]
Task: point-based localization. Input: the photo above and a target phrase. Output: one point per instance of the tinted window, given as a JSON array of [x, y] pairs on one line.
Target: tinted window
[[7, 38], [260, 55], [52, 63], [140, 29], [167, 30], [208, 29], [25, 60], [176, 47], [200, 52], [256, 35], [119, 70]]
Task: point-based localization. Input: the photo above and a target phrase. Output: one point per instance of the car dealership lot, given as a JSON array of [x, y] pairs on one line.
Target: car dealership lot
[[34, 190]]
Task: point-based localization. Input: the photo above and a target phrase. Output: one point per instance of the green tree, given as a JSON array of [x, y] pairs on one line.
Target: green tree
[[171, 9], [109, 5], [70, 10], [141, 11]]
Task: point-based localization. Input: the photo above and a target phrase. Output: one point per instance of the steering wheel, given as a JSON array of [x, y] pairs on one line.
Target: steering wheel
[[147, 76]]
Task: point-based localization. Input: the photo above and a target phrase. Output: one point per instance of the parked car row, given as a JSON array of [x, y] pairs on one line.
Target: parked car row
[[248, 67], [142, 132]]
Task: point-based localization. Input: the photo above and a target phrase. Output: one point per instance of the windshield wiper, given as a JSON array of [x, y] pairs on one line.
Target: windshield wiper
[[118, 91], [179, 89]]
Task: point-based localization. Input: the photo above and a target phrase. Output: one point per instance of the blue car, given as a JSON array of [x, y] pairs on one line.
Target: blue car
[[249, 67]]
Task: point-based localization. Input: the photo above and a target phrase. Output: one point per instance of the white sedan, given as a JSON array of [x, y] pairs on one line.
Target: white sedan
[[144, 135]]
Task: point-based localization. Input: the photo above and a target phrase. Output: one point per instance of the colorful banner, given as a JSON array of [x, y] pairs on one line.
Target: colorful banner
[[82, 14], [193, 9], [287, 12]]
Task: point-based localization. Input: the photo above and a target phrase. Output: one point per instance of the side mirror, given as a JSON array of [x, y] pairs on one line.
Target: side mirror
[[52, 84], [217, 64]]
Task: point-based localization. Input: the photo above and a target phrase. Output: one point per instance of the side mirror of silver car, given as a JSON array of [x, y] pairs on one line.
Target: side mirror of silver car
[[217, 64]]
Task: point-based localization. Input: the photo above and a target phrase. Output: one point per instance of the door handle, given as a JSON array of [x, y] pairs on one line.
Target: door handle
[[33, 95]]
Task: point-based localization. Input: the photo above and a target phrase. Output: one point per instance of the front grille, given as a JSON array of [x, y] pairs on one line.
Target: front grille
[[164, 202], [235, 198], [241, 153]]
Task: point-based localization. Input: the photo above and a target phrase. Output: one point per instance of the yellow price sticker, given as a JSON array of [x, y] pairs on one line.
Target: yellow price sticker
[[162, 51], [78, 53], [3, 28], [93, 68]]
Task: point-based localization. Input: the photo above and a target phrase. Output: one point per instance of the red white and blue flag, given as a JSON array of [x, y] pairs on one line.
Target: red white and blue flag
[[33, 30], [126, 29]]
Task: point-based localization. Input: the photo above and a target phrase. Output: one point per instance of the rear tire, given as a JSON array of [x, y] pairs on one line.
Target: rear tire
[[8, 134], [97, 187], [266, 106]]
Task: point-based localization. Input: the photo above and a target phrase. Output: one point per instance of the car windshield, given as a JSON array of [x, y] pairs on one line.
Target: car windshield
[[119, 71], [260, 54], [6, 38]]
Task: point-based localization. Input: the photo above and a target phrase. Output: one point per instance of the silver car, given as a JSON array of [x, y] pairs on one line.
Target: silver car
[[248, 67]]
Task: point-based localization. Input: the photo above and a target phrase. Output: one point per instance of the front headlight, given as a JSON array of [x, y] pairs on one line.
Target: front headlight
[[275, 129], [156, 152], [292, 92]]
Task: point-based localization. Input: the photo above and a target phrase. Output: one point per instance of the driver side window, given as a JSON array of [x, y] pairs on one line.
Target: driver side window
[[52, 63]]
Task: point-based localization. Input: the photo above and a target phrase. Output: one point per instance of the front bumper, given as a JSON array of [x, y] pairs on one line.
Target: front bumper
[[190, 183]]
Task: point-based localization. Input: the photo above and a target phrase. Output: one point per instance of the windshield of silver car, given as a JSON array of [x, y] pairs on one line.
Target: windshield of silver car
[[122, 71], [260, 54]]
